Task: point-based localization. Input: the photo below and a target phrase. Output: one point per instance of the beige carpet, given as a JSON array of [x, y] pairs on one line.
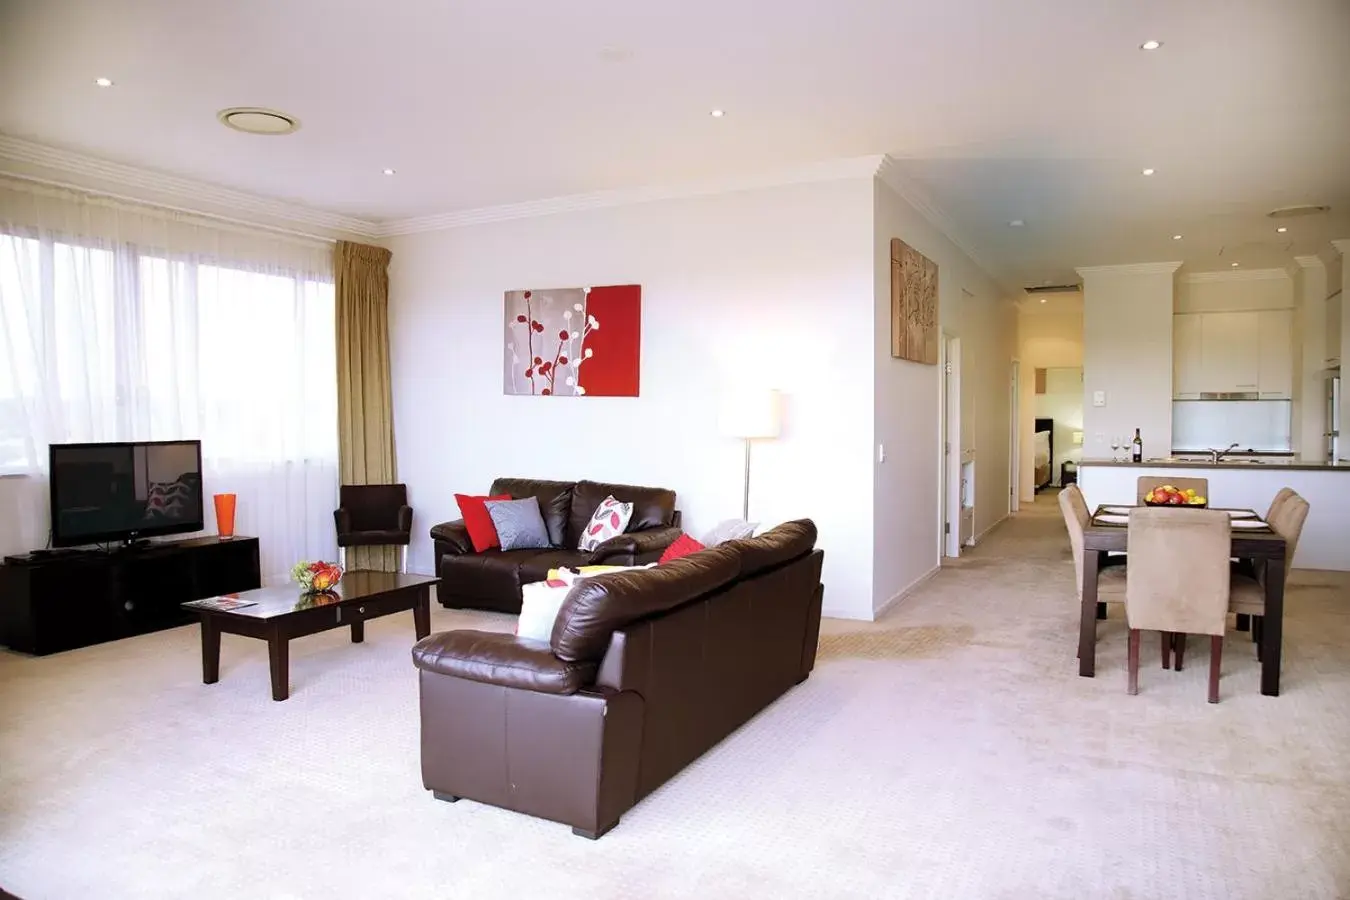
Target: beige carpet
[[949, 751]]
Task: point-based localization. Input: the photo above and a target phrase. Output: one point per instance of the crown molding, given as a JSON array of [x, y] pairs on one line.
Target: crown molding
[[1342, 246], [1156, 268], [1310, 262], [912, 193], [831, 170], [151, 187], [1235, 275]]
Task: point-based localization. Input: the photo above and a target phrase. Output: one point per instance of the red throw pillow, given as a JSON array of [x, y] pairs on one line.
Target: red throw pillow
[[473, 510], [683, 546]]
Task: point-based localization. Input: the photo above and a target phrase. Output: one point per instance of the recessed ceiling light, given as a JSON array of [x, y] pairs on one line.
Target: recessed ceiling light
[[389, 171], [103, 82], [1282, 229], [1017, 223], [1234, 265], [1150, 45], [1148, 171], [718, 113], [1042, 299], [1176, 237], [256, 120]]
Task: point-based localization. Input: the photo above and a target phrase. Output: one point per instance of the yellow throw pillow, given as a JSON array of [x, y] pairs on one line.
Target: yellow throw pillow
[[556, 574]]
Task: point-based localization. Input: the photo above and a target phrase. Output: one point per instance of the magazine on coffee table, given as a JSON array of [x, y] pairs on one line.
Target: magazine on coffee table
[[220, 604]]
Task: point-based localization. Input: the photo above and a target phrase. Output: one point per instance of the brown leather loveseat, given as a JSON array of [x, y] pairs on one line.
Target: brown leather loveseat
[[492, 579], [645, 670]]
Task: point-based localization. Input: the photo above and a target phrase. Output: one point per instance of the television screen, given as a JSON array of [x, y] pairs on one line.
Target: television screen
[[104, 492]]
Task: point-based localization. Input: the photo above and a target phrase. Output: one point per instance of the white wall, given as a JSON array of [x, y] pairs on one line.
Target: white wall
[[1045, 340], [906, 507], [1236, 291], [1127, 353], [772, 286]]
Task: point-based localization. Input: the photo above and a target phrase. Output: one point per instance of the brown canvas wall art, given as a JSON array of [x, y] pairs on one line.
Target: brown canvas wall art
[[914, 304]]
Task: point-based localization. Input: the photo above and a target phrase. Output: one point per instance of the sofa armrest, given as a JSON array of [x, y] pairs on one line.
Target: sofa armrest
[[634, 544], [501, 659], [343, 520], [405, 518], [454, 536]]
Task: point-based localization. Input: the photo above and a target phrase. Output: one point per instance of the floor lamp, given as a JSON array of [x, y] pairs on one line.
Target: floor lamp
[[749, 415]]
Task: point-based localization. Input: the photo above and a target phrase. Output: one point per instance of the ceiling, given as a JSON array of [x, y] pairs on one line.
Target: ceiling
[[1040, 110]]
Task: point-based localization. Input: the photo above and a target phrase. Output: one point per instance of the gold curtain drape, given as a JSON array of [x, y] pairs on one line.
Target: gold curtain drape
[[365, 400]]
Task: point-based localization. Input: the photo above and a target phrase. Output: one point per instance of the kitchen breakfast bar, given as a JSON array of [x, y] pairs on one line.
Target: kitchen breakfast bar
[[1246, 482]]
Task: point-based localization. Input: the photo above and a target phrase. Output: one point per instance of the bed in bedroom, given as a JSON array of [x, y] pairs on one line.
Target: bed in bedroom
[[1043, 453]]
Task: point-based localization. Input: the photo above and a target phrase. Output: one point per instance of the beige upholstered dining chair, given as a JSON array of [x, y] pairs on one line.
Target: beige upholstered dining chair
[[1286, 519], [1077, 517], [1147, 483], [1178, 582]]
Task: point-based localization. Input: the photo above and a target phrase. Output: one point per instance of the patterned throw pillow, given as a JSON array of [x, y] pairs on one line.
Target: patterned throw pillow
[[519, 524], [609, 520]]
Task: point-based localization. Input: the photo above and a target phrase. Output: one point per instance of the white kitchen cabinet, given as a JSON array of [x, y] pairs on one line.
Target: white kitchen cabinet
[[1188, 370], [1249, 352], [1230, 351], [1276, 370]]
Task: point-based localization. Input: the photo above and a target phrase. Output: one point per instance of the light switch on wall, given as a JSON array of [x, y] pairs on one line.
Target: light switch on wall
[[881, 453], [1099, 398]]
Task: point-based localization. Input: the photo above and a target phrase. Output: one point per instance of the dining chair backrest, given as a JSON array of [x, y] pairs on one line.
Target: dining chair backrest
[[1176, 576], [1280, 498], [1076, 519], [1147, 483], [1287, 522]]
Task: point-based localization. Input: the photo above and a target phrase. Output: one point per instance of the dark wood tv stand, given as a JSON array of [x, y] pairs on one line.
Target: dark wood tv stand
[[61, 600]]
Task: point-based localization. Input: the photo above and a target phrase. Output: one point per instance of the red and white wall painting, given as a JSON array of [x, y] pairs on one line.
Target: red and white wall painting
[[574, 342]]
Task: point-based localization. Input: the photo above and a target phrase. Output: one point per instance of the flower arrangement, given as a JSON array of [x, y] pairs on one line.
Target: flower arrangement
[[316, 576]]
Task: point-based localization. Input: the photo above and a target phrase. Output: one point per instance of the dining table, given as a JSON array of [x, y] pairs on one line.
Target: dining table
[[1108, 532]]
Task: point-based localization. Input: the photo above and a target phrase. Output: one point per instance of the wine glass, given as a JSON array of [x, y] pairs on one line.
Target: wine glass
[[1116, 444]]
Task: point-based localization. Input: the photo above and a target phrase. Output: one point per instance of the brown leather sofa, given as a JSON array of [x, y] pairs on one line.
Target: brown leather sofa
[[492, 580], [645, 670]]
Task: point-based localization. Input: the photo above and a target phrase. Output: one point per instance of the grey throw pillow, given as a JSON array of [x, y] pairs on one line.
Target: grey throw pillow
[[519, 524], [729, 530]]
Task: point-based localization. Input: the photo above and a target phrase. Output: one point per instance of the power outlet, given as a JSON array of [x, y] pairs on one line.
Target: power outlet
[[1099, 398]]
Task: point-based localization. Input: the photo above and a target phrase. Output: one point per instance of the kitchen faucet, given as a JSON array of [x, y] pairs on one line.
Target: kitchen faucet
[[1216, 456]]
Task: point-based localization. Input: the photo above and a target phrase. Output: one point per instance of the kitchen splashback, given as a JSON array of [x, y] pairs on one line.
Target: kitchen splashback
[[1261, 425]]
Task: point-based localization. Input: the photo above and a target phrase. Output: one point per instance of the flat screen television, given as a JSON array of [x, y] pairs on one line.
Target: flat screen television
[[124, 491]]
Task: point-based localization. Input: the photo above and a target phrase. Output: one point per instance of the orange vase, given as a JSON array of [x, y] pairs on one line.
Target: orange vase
[[224, 515]]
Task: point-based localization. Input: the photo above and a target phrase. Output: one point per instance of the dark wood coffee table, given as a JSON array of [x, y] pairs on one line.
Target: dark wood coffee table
[[281, 613]]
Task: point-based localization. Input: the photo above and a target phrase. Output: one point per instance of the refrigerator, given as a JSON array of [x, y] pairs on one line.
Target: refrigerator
[[1333, 401]]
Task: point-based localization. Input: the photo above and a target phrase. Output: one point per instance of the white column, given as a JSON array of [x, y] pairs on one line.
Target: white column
[[1127, 355], [1310, 314], [1343, 248]]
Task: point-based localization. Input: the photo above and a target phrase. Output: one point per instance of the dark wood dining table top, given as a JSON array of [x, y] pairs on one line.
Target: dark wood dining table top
[[1248, 543]]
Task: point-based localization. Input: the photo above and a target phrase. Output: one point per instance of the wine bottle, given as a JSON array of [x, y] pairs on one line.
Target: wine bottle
[[1137, 448]]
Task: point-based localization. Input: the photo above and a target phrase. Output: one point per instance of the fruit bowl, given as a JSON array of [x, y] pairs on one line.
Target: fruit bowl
[[1167, 495]]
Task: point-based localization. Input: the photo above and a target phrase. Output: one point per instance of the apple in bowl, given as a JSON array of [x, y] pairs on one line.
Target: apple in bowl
[[1167, 495]]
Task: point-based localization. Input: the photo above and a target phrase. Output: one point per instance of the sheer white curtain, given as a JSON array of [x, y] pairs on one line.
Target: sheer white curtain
[[120, 322]]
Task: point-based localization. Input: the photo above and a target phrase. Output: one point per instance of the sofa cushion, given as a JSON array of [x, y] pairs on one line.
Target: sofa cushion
[[536, 565], [490, 575], [482, 531], [555, 503], [683, 546], [519, 524], [779, 545], [539, 605], [652, 507], [729, 530], [609, 520], [598, 606]]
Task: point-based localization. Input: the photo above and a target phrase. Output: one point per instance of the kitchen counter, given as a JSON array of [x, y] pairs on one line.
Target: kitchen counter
[[1246, 483], [1231, 462]]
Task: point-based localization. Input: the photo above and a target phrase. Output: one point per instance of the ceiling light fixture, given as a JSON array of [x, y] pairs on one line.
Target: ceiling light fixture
[[256, 120], [103, 82], [1016, 223], [1148, 171], [1150, 45], [1042, 299], [1176, 237], [1282, 229], [1234, 265], [718, 113], [389, 171]]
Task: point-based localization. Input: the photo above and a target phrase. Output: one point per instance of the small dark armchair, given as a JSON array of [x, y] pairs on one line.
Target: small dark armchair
[[373, 515]]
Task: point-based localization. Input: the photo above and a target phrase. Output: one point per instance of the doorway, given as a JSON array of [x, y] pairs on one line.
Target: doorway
[[949, 498], [1014, 440]]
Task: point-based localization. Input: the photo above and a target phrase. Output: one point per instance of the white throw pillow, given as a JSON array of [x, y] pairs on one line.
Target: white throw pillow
[[539, 605], [729, 530], [609, 520]]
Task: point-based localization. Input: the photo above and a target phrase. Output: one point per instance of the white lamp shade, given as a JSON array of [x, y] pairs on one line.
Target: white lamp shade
[[1078, 438], [750, 414]]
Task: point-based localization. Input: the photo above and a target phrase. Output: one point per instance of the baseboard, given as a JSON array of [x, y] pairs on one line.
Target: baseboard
[[827, 612], [905, 592]]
